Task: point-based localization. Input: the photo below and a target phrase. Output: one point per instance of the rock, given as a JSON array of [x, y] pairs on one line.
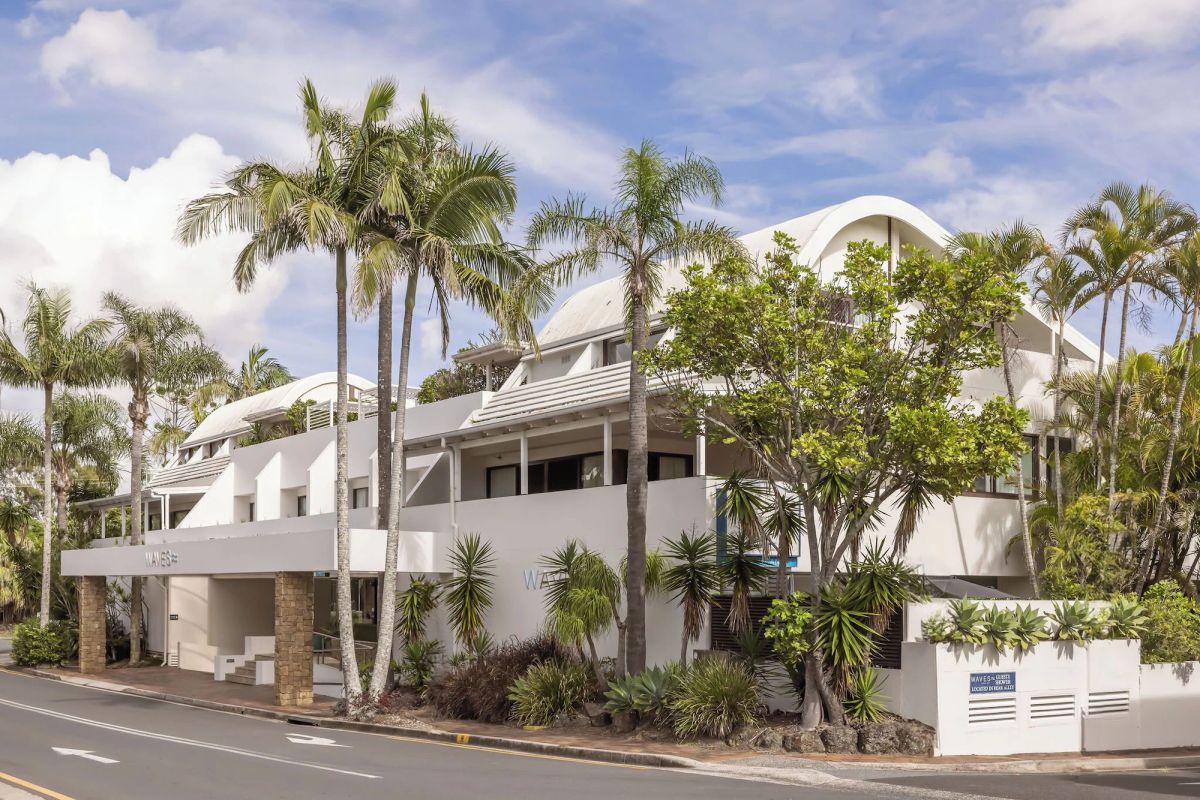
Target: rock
[[624, 722], [596, 715], [767, 739], [804, 742], [743, 737], [914, 738], [840, 739], [877, 738]]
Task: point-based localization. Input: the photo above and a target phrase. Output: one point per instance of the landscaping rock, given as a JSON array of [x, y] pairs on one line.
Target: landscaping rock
[[840, 739], [804, 742], [877, 738], [742, 738], [766, 739], [596, 714], [914, 738], [624, 722]]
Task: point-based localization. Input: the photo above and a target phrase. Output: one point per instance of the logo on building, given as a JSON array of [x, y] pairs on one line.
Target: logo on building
[[161, 558], [534, 579]]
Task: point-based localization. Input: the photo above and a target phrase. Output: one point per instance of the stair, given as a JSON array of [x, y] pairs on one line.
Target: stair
[[245, 674]]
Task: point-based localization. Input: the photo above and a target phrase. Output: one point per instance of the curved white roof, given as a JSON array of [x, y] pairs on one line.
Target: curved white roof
[[231, 417]]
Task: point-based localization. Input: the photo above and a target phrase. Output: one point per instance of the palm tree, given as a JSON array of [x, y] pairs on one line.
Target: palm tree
[[1013, 249], [1120, 236], [89, 441], [315, 207], [436, 217], [55, 354], [145, 344], [258, 373], [580, 588], [1059, 290], [694, 579], [642, 232]]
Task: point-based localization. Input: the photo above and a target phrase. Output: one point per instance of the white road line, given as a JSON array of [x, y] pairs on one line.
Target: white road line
[[181, 740], [90, 755], [300, 738]]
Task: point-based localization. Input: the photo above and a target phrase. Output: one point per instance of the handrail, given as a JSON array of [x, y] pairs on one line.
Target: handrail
[[364, 651]]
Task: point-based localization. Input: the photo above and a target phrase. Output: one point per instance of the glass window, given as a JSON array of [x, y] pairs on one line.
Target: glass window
[[1007, 484], [619, 350], [562, 474], [503, 481], [592, 470], [360, 497], [672, 467], [537, 477], [252, 511]]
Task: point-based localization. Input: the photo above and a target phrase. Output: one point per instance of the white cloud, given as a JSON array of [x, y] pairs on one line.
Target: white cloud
[[996, 200], [71, 222], [939, 165], [430, 333], [1083, 25]]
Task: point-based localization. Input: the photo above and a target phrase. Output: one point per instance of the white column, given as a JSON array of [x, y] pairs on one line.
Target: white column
[[403, 482], [454, 476], [701, 452], [122, 522], [103, 523], [166, 512], [608, 471], [524, 462]]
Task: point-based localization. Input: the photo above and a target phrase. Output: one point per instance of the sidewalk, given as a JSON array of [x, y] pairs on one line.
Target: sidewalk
[[199, 689]]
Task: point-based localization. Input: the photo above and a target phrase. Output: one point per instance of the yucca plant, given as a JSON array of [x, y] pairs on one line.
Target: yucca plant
[[418, 659], [1029, 628], [714, 697], [1073, 621], [844, 633], [413, 606], [469, 590], [865, 701], [1125, 618], [882, 582], [999, 628]]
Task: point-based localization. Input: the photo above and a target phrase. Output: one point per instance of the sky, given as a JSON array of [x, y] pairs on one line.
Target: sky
[[117, 113]]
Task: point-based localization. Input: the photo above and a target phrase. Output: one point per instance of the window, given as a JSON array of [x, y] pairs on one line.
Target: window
[[301, 505], [581, 472], [592, 469], [176, 518], [618, 350], [360, 497], [503, 481], [1006, 485], [251, 511], [664, 466], [562, 474]]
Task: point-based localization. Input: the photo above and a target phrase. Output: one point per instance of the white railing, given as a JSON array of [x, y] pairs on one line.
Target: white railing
[[322, 415]]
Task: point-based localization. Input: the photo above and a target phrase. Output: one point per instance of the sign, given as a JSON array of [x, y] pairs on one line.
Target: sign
[[161, 558], [320, 574], [174, 617], [993, 682]]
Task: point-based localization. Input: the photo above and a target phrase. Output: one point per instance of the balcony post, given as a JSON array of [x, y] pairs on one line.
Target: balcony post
[[608, 470], [701, 451], [524, 462]]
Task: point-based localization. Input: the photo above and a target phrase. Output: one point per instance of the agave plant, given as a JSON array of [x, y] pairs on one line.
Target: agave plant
[[936, 628], [621, 697], [865, 700], [1125, 618], [1000, 628], [1073, 621], [1029, 628], [966, 619], [653, 689]]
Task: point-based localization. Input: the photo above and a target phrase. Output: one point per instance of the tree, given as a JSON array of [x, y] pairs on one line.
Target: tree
[[693, 579], [258, 373], [642, 233], [436, 216], [580, 588], [856, 420], [1120, 235], [1012, 250], [1059, 290], [459, 378], [146, 343], [314, 207], [55, 354], [89, 440], [174, 403]]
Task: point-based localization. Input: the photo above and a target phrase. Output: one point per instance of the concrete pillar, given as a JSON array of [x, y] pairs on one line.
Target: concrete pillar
[[524, 462], [93, 631], [608, 460], [293, 638]]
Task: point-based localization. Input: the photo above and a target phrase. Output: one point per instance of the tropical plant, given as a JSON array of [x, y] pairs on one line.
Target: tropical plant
[[764, 514], [418, 659], [693, 579], [641, 233], [549, 690], [1172, 625], [881, 583], [258, 373], [580, 591], [1029, 628], [743, 571], [967, 623], [468, 592], [1000, 628], [648, 693], [844, 634], [713, 697], [413, 607], [1125, 618], [866, 701], [34, 643], [56, 353], [479, 688], [89, 439], [786, 627], [1072, 621]]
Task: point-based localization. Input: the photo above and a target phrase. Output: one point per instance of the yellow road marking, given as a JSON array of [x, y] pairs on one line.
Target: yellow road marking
[[463, 738], [506, 752], [33, 787]]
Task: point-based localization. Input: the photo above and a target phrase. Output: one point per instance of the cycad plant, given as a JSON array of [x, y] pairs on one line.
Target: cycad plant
[[469, 590], [693, 579]]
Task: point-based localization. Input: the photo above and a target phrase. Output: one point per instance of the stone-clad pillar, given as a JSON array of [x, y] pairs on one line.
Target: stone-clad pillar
[[293, 638], [93, 629]]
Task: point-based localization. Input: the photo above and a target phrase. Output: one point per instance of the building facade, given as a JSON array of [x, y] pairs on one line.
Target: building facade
[[536, 462]]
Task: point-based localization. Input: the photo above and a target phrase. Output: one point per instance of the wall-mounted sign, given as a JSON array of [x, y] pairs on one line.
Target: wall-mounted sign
[[174, 617], [321, 574], [161, 558], [993, 682]]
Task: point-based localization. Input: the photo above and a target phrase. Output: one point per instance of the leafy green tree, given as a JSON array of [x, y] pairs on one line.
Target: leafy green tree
[[641, 233], [693, 579], [852, 418], [56, 353]]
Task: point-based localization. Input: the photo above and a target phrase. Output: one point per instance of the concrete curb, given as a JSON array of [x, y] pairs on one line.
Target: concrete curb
[[472, 740]]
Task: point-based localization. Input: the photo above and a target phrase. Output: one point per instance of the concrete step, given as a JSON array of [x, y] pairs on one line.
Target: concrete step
[[234, 677]]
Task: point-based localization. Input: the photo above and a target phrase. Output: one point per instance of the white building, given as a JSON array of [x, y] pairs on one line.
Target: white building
[[529, 466]]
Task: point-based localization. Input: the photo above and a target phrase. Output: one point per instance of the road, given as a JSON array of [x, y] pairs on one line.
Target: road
[[82, 744]]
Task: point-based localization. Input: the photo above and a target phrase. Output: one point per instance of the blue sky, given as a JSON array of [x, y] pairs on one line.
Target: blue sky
[[117, 112]]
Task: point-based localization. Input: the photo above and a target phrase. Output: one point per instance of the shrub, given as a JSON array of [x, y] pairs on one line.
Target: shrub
[[865, 700], [478, 689], [34, 644], [1125, 618], [963, 623], [418, 658], [1000, 628], [786, 625], [713, 698], [648, 693], [549, 690], [1074, 621], [1172, 625], [1029, 628]]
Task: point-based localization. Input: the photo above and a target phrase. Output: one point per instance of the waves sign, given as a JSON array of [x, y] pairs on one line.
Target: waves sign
[[993, 682], [161, 558]]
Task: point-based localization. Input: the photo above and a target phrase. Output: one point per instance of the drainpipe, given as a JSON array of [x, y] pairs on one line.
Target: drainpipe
[[166, 587]]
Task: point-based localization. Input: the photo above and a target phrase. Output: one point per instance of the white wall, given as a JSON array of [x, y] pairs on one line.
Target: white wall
[[1170, 705]]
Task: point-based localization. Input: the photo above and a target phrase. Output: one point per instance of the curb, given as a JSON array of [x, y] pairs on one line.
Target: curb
[[471, 740]]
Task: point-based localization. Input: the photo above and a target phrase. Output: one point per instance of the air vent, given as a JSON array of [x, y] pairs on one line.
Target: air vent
[[985, 710], [1104, 704], [1052, 706]]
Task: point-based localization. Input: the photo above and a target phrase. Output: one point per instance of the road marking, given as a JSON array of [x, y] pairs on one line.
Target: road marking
[[519, 753], [88, 754], [300, 738], [33, 787], [162, 737]]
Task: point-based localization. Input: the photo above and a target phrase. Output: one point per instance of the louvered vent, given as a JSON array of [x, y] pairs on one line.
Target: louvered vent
[[1052, 706], [984, 710], [173, 657], [1103, 704]]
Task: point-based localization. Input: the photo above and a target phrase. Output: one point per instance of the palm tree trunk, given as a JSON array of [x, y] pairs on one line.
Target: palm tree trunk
[[1169, 458], [47, 501], [387, 612], [383, 420], [351, 687], [1022, 510], [597, 668], [636, 487], [1115, 422], [1059, 364], [1094, 429], [137, 418]]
